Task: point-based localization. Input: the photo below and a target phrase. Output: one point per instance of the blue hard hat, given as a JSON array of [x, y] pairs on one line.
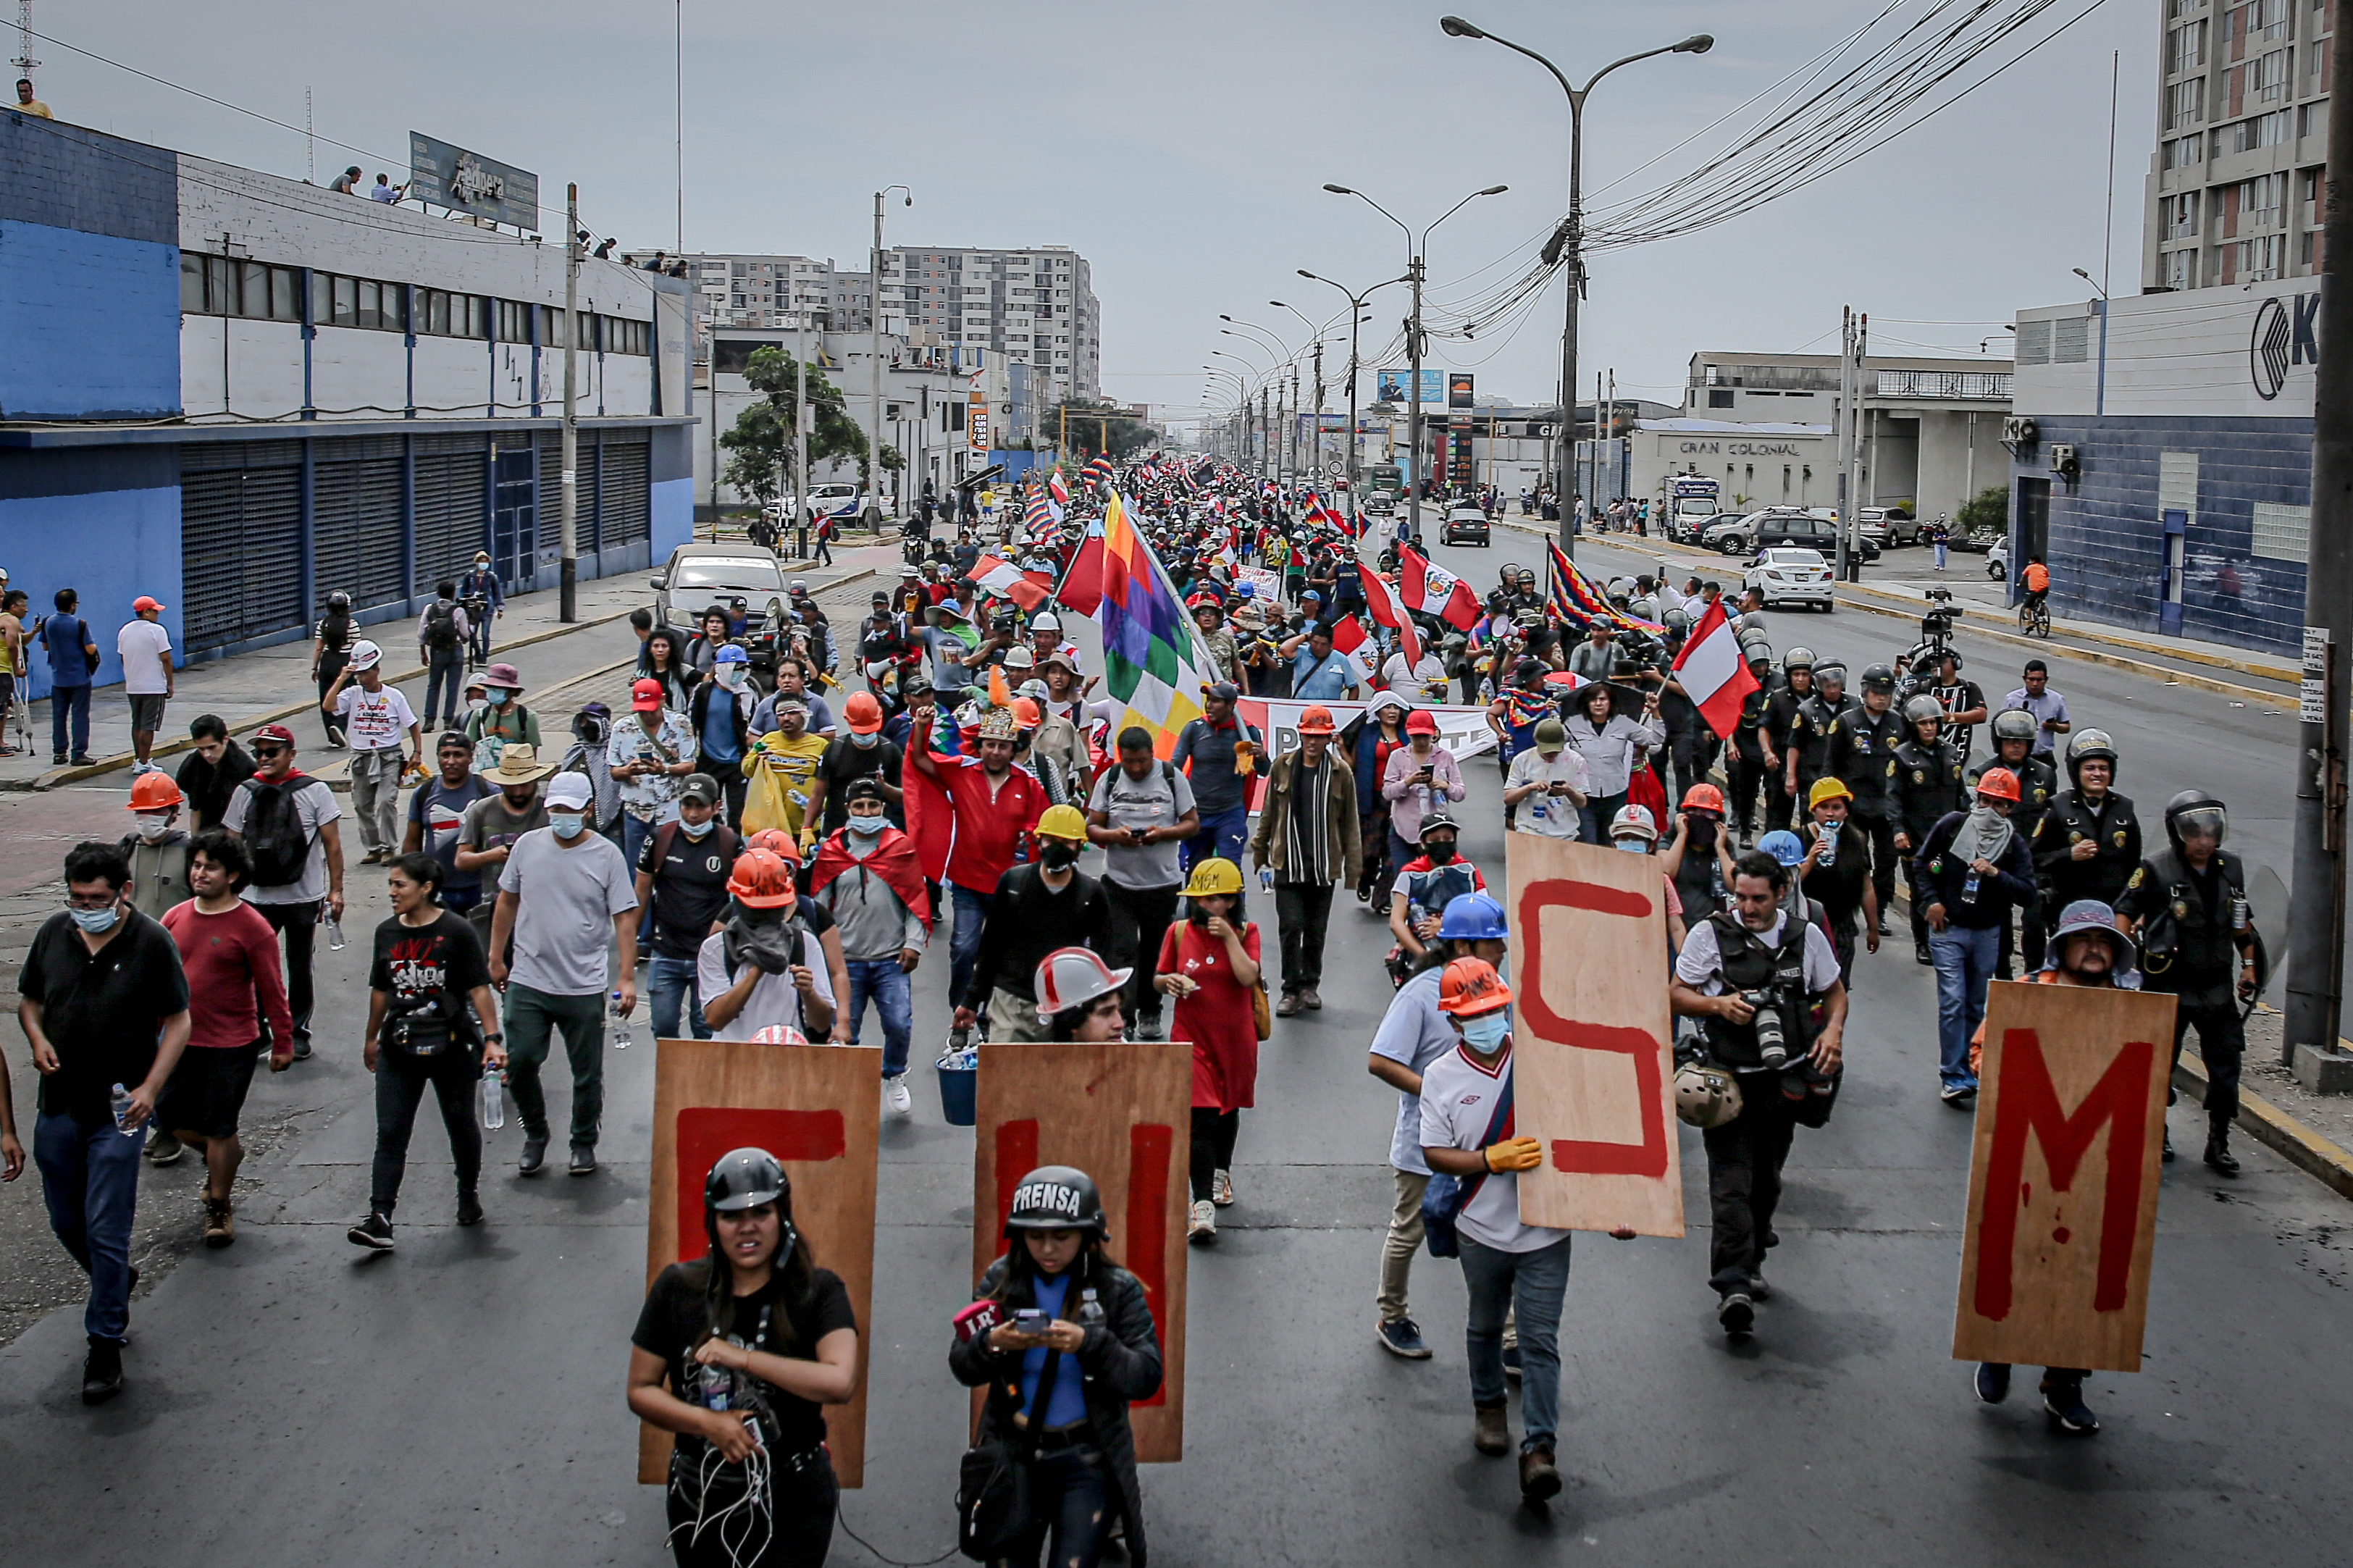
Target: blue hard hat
[[1473, 917], [730, 654], [1783, 846]]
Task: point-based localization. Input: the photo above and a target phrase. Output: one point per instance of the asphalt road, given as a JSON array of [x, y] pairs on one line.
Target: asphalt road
[[459, 1401]]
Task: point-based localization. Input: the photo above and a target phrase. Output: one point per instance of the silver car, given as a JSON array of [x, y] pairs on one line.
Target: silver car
[[698, 576]]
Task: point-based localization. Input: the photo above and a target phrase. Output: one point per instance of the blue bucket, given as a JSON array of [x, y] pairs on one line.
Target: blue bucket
[[959, 1095]]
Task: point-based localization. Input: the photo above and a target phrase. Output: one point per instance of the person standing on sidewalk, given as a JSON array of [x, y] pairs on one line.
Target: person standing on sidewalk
[[145, 650], [481, 584], [386, 743], [1139, 811], [436, 814], [681, 877], [441, 633], [73, 659], [330, 650], [13, 668], [230, 955], [561, 889], [867, 874], [289, 822], [212, 770], [1308, 840], [104, 1003]]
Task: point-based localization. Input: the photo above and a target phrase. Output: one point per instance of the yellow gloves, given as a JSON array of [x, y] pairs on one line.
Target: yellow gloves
[[1514, 1155]]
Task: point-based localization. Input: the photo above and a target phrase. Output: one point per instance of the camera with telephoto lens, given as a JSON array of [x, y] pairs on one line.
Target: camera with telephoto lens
[[1772, 1037]]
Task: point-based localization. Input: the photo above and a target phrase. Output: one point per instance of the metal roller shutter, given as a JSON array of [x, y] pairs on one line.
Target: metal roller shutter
[[240, 549], [625, 499], [450, 522], [355, 519]]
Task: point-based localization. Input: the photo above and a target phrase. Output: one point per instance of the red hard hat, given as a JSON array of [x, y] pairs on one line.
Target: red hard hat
[[1317, 720], [762, 879], [1471, 986], [2001, 784], [862, 713], [776, 842], [1703, 797], [1072, 976], [155, 791]]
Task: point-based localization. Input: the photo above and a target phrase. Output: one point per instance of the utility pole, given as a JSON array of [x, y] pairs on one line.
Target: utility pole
[[1413, 409], [567, 600], [2315, 933], [1316, 463], [1265, 436], [1845, 436], [873, 508], [1855, 332], [801, 423]]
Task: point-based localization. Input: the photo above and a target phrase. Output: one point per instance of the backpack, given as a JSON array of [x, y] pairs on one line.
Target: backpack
[[1443, 1201], [441, 625], [273, 832]]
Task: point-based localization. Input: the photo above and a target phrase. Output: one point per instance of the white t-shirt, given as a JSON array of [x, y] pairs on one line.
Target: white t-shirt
[[139, 642], [314, 804], [1701, 963], [775, 998], [1426, 681], [1554, 816], [375, 720], [1457, 1100], [1413, 1034]]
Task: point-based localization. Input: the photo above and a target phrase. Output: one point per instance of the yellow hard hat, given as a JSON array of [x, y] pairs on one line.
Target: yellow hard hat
[[1827, 789], [1063, 822], [1214, 877]]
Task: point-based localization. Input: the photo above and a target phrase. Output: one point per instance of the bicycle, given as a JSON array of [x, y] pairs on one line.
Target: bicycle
[[2034, 616]]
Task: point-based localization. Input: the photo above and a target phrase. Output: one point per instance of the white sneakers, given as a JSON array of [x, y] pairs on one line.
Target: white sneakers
[[895, 1094], [1202, 1230], [1221, 1189]]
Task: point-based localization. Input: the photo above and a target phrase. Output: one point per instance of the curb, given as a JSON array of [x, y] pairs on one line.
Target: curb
[[2275, 1130]]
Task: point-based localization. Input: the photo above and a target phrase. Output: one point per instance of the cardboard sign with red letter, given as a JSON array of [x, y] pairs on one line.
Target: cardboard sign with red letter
[[815, 1109], [1593, 1048], [2062, 1182], [1122, 1112]]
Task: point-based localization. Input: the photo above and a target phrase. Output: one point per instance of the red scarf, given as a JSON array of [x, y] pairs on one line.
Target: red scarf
[[894, 860]]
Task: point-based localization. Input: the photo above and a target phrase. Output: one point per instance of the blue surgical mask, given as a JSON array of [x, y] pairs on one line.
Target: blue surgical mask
[[866, 742], [566, 823], [1634, 846], [1486, 1033], [694, 829], [869, 826], [95, 921]]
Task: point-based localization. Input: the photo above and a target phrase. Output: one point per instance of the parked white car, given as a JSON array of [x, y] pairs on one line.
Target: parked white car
[[1997, 561], [1789, 574]]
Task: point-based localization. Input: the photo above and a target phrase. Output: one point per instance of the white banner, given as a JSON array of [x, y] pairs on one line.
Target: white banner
[[1461, 731]]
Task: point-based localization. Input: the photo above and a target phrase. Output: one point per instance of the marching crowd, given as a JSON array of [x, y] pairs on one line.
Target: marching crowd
[[780, 821]]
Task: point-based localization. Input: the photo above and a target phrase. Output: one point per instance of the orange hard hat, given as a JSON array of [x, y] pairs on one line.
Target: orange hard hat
[[2001, 784], [1703, 797], [1025, 712], [1317, 720], [1471, 986], [763, 880], [862, 713], [776, 842], [155, 791]]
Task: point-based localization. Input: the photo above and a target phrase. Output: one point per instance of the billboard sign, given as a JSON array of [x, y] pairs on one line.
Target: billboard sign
[[466, 182], [1396, 386], [1458, 389]]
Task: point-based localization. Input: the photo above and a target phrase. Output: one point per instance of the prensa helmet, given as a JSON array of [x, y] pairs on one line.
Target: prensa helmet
[[1056, 1197]]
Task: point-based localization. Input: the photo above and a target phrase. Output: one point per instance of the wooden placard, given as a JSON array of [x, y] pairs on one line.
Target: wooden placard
[[817, 1110], [2064, 1177], [1593, 1047], [1122, 1112]]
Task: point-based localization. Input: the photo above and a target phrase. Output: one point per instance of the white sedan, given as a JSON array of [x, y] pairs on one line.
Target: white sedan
[[1788, 572]]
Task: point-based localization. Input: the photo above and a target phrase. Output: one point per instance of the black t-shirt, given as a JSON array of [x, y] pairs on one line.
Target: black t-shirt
[[845, 761], [414, 962], [671, 1324], [102, 1012], [1837, 887], [690, 885]]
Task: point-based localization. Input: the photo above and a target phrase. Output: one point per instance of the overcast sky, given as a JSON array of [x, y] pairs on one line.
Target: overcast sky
[[1182, 149]]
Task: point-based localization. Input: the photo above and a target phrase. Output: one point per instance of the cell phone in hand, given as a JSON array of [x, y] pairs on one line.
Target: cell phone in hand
[[1030, 1319]]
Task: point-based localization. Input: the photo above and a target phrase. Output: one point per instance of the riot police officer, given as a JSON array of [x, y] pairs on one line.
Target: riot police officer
[[1781, 722], [1747, 768], [1861, 752], [2088, 844], [1927, 786], [2014, 733], [1808, 756], [2188, 906]]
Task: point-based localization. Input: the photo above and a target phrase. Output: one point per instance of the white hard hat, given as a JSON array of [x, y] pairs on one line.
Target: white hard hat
[[1046, 623], [365, 655], [1072, 976], [1634, 820]]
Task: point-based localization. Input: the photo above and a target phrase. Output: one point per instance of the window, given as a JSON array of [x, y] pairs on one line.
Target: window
[[2263, 130], [2267, 77], [224, 286], [2183, 152], [2272, 17], [2312, 120], [2185, 47], [2177, 8], [2261, 258], [2280, 532], [2180, 215], [2183, 103], [515, 321], [2180, 269], [2262, 202]]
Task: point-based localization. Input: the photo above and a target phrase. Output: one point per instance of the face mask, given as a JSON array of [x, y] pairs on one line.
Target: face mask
[[1439, 854], [730, 676], [96, 921], [868, 826], [1058, 856], [153, 828], [691, 829], [1634, 846], [566, 823], [866, 742], [1485, 1034], [479, 703]]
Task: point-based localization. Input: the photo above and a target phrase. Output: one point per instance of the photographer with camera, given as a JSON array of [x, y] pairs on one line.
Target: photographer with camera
[[1758, 978]]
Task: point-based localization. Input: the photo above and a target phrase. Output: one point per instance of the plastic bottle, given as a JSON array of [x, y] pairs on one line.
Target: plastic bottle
[[1828, 855], [120, 1098], [1969, 888], [620, 1025], [335, 934], [494, 1099], [1089, 1310]]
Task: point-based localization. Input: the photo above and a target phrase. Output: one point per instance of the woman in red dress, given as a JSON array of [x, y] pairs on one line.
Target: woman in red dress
[[1210, 964]]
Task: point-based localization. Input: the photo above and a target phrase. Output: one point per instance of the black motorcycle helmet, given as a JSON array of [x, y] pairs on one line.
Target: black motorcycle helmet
[[2193, 810], [339, 602], [1056, 1197], [2087, 745], [745, 1179]]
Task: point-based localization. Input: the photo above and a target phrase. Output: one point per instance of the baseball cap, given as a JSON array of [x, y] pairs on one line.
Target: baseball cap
[[1223, 690], [278, 733], [702, 787], [729, 653], [645, 695], [143, 604], [569, 791], [1420, 722]]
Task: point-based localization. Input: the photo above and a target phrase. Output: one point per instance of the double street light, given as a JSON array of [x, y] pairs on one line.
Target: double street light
[[1415, 247], [1569, 243], [1355, 319]]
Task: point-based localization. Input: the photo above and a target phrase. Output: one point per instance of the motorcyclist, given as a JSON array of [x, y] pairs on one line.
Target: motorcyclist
[[1927, 788], [2014, 734], [1863, 753]]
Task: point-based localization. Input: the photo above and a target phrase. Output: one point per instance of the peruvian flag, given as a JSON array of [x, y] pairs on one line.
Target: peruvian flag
[[1382, 601], [1713, 674], [1027, 589], [1434, 591], [1059, 490], [1081, 588]]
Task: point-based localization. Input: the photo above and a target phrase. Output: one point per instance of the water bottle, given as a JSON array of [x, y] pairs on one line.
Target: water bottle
[[1969, 888], [335, 934], [1091, 1311], [620, 1025], [1828, 855], [494, 1100], [120, 1097]]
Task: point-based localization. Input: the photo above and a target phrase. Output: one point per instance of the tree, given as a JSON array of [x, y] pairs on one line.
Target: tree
[[1096, 426], [1988, 510], [762, 440]]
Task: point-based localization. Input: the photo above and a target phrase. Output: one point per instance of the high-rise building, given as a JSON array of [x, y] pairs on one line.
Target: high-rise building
[[2235, 187]]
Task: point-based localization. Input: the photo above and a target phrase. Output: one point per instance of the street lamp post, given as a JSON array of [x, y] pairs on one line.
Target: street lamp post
[[1567, 243], [874, 322], [1355, 319], [1415, 249]]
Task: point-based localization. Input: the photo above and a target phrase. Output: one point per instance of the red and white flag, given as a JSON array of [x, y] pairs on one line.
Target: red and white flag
[[1027, 589], [1712, 672], [1382, 601], [1433, 589]]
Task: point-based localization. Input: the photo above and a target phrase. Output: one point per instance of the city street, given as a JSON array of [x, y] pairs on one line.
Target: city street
[[459, 1401]]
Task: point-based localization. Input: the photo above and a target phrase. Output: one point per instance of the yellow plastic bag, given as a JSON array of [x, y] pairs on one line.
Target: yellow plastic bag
[[765, 804]]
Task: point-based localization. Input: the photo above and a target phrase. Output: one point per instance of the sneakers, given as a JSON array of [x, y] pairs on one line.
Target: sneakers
[[2167, 1155], [583, 1160], [1490, 1434], [2218, 1157], [1737, 1314], [1402, 1337], [1202, 1229], [302, 1047], [1511, 1362], [1992, 1382], [1288, 1005], [470, 1209], [1758, 1289], [1221, 1189], [534, 1157], [220, 1228], [2062, 1401], [101, 1373], [375, 1232], [163, 1149], [1311, 999], [1959, 1094], [1149, 1027], [1539, 1477], [895, 1096], [1921, 956]]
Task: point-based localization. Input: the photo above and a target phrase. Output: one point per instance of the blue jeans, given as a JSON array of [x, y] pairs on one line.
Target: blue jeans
[[882, 980], [90, 1178], [1940, 555], [669, 981], [963, 938], [74, 702], [1965, 958], [1223, 836], [1534, 1284]]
